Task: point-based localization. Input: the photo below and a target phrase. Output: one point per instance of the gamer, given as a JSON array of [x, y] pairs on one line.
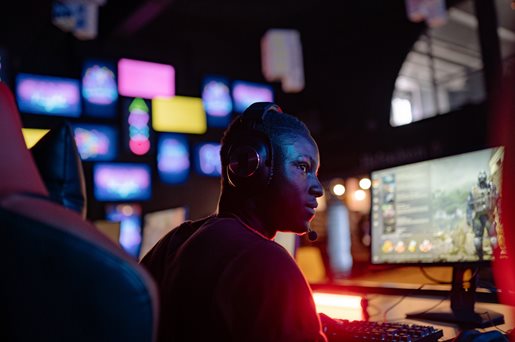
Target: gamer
[[223, 278]]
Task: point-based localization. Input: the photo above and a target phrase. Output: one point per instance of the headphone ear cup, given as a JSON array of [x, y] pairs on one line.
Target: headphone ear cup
[[246, 167]]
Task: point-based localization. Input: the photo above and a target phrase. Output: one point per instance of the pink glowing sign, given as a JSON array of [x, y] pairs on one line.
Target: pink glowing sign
[[145, 79], [246, 93]]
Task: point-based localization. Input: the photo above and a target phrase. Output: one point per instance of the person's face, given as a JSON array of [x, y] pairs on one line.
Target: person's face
[[295, 186]]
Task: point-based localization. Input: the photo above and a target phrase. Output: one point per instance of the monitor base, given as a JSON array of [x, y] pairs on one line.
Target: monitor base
[[481, 318]]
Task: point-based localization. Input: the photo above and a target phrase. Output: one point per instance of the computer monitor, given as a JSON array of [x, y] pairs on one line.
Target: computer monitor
[[246, 93], [442, 211], [207, 159], [96, 142], [129, 217], [99, 88]]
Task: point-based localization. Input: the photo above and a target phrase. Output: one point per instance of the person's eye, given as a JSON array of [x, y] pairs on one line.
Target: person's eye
[[303, 167]]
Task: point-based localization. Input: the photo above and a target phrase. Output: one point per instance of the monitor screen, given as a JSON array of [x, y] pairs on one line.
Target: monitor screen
[[96, 142], [440, 211], [173, 158], [129, 216], [207, 159], [216, 97], [48, 95], [99, 88], [122, 182], [246, 93]]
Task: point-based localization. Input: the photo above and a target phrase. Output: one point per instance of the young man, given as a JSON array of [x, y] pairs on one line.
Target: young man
[[224, 278]]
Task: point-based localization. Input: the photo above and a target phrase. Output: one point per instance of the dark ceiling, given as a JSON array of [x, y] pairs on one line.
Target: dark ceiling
[[353, 51]]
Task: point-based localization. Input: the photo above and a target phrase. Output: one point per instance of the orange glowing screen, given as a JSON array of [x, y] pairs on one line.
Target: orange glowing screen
[[338, 305]]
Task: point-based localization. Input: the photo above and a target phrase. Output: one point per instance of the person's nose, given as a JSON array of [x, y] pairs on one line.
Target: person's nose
[[316, 188]]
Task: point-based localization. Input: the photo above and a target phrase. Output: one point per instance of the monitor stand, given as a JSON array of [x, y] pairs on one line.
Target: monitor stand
[[463, 298]]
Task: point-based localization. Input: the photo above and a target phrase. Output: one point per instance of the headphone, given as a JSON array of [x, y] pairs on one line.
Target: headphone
[[250, 155]]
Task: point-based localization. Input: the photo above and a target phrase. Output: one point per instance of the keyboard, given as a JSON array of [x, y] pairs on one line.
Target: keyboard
[[338, 330]]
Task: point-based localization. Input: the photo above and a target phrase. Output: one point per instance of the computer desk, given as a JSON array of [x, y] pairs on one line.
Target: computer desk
[[394, 307]]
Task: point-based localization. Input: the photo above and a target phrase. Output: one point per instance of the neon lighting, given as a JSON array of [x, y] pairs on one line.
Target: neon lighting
[[48, 95], [121, 181], [179, 114], [145, 79], [339, 306], [129, 216], [139, 130], [246, 93], [173, 158], [99, 89], [33, 135], [208, 159], [216, 97], [95, 142]]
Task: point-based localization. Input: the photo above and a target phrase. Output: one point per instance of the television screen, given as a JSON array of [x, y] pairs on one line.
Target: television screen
[[99, 89], [246, 93], [96, 142], [48, 95], [122, 182], [129, 216], [173, 158], [145, 79], [216, 97], [207, 157], [137, 126], [443, 210]]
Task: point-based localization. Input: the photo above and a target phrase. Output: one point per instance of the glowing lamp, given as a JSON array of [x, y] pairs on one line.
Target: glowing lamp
[[365, 183], [179, 114]]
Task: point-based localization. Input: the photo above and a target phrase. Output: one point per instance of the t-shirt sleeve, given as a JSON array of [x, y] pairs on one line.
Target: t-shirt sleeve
[[263, 296]]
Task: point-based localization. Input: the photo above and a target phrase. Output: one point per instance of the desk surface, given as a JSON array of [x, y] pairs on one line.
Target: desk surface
[[381, 307]]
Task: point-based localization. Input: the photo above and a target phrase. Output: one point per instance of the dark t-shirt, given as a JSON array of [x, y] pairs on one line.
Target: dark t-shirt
[[229, 283]]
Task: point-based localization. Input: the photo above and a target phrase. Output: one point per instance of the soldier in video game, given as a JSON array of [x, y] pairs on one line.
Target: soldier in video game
[[481, 205]]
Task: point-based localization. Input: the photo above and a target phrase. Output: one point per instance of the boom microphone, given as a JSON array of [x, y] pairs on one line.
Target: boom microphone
[[312, 235]]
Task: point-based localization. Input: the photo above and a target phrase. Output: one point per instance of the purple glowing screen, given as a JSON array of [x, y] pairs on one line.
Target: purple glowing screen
[[48, 95], [122, 182], [246, 93], [145, 79]]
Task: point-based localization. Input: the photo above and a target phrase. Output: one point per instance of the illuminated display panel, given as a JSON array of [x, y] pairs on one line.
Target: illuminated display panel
[[99, 89], [216, 97], [246, 93], [96, 142], [48, 95], [145, 79], [122, 182], [179, 114], [207, 157], [33, 135], [173, 158], [129, 216]]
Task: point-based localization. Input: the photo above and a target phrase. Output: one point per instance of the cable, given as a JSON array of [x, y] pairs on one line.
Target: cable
[[400, 300], [492, 325], [443, 282]]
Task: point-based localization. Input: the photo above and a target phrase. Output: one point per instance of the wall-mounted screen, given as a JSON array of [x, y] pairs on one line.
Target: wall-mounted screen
[[136, 125], [129, 216], [207, 157], [145, 79], [96, 142], [48, 95], [173, 158], [246, 93], [216, 97], [122, 182], [179, 114], [99, 88]]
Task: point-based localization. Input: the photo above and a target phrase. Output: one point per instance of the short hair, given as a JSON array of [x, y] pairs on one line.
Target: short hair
[[273, 126]]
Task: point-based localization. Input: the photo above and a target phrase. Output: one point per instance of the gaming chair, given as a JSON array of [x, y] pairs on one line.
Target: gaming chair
[[62, 279]]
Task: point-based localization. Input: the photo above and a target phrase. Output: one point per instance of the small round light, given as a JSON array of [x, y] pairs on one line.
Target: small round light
[[338, 189], [365, 183], [359, 195]]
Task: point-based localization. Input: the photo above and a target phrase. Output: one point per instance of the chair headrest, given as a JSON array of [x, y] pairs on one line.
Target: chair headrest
[[18, 172], [60, 166]]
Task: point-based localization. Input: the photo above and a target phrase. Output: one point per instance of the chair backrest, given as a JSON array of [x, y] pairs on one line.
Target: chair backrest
[[62, 279]]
